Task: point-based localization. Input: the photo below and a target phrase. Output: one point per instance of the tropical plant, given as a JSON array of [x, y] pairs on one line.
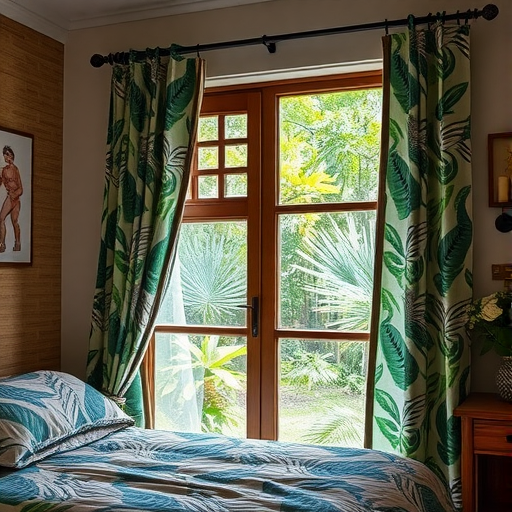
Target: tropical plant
[[342, 263], [490, 319], [339, 256], [297, 186], [215, 379], [351, 382], [337, 426], [311, 368], [213, 273], [221, 382], [334, 135], [329, 148]]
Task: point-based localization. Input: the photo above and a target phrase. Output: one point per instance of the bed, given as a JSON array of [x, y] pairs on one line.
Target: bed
[[66, 447]]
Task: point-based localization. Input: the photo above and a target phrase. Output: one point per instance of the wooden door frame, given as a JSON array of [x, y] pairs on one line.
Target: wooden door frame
[[263, 351]]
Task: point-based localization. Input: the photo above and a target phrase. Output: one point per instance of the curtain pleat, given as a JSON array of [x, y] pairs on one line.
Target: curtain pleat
[[154, 112], [422, 358]]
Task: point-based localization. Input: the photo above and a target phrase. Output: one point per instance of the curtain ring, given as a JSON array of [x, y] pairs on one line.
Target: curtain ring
[[386, 26], [429, 20], [458, 17], [197, 50], [468, 14]]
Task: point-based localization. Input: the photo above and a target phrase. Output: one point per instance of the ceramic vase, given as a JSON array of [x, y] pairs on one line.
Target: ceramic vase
[[504, 379]]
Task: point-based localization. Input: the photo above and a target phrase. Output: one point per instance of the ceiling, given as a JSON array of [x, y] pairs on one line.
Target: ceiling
[[56, 17]]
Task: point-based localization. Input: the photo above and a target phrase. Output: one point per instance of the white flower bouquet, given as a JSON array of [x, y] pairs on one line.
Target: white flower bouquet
[[490, 319]]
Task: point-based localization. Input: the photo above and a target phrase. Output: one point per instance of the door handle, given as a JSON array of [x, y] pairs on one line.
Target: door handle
[[254, 306]]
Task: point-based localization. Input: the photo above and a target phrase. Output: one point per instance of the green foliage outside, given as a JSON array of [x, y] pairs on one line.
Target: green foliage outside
[[200, 374], [329, 147]]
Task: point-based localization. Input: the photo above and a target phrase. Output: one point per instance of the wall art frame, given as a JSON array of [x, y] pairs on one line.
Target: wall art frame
[[16, 172], [500, 169]]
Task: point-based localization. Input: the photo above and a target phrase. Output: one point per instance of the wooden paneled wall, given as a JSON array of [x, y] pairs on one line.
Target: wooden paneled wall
[[31, 100]]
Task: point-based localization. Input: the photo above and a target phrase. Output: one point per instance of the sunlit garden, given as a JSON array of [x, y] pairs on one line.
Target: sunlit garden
[[329, 153]]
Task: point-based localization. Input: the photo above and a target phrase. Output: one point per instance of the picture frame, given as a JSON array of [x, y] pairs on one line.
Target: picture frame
[[500, 169], [16, 171]]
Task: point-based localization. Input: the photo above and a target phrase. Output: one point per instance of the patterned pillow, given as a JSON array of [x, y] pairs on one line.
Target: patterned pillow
[[46, 412]]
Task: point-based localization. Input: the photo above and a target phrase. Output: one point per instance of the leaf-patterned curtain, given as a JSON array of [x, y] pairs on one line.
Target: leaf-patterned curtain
[[154, 111], [423, 356]]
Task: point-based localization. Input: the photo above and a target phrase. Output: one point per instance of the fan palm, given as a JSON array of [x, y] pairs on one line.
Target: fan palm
[[213, 275], [341, 261]]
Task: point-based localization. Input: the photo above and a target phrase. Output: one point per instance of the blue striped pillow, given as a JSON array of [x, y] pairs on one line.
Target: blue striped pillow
[[46, 412]]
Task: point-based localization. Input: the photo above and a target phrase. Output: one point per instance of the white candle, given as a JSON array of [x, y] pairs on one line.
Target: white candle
[[503, 184]]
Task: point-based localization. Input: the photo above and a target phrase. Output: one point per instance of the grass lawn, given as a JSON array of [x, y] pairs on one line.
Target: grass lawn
[[300, 409]]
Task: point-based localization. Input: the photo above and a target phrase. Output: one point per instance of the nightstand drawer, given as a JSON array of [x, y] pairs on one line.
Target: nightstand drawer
[[492, 436]]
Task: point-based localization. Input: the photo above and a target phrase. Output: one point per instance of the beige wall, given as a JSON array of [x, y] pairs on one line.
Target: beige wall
[[87, 96], [31, 88]]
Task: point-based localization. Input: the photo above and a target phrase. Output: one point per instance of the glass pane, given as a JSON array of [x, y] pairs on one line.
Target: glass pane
[[209, 277], [329, 147], [236, 185], [200, 383], [326, 268], [322, 392], [236, 127], [208, 158], [208, 187], [208, 128], [236, 156]]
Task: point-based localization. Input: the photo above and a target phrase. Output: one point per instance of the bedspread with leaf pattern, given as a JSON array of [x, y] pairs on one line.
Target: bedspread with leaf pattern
[[150, 470]]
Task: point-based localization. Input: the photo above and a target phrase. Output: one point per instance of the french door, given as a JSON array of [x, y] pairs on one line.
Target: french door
[[269, 298]]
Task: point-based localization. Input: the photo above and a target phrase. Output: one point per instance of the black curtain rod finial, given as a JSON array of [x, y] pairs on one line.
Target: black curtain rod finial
[[490, 11], [97, 60]]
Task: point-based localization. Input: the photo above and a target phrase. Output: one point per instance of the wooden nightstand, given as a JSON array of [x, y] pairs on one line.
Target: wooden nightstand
[[486, 431]]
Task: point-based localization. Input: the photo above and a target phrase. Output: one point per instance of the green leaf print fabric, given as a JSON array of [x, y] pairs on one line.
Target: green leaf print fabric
[[154, 112], [423, 357]]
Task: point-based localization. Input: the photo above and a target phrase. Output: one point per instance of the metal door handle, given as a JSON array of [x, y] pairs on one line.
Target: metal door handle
[[254, 306]]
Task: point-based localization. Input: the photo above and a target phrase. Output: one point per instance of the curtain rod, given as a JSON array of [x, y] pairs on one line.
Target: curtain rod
[[489, 12]]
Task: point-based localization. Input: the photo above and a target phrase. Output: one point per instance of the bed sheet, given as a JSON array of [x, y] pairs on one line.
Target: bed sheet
[[149, 470]]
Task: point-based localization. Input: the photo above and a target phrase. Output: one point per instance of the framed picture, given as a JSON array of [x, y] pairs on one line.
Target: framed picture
[[16, 197], [500, 169]]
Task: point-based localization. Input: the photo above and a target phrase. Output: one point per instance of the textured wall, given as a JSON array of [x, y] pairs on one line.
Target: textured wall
[[31, 100]]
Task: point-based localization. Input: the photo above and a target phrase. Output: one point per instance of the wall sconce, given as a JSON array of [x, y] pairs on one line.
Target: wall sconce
[[499, 149]]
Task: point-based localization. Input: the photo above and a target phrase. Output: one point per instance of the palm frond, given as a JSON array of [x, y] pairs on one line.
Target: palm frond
[[338, 426]]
